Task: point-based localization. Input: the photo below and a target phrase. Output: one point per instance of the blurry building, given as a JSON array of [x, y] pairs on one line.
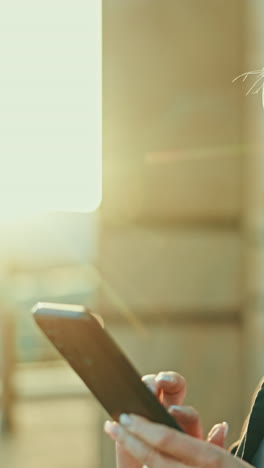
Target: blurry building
[[173, 258]]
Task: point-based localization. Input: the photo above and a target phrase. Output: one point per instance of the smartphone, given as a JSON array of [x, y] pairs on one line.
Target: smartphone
[[93, 354]]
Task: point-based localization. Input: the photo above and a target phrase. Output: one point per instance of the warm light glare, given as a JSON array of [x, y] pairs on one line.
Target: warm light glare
[[50, 113]]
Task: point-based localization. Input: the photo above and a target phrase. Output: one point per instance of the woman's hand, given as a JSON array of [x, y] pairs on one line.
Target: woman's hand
[[170, 388], [158, 446]]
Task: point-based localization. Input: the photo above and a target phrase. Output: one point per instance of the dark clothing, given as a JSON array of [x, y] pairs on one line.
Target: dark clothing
[[253, 432]]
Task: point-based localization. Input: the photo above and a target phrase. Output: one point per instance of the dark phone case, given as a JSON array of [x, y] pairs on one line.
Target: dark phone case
[[99, 362]]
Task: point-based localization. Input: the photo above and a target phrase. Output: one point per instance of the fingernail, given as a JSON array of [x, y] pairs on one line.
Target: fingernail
[[214, 430], [165, 378], [175, 408], [125, 420], [226, 426], [112, 429]]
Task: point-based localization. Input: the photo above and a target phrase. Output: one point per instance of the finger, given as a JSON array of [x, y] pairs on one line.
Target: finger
[[170, 381], [218, 434], [189, 420], [172, 443], [169, 387], [173, 386], [140, 450], [124, 459]]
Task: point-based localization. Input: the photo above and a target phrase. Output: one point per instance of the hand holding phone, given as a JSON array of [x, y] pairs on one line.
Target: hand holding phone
[[97, 359]]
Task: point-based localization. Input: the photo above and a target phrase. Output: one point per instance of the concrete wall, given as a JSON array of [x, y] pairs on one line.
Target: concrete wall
[[172, 117], [253, 190]]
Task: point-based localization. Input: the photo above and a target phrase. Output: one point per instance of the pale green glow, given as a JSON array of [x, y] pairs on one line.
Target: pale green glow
[[50, 106]]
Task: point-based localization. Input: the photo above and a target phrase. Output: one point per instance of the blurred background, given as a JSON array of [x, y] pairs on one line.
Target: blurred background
[[173, 259]]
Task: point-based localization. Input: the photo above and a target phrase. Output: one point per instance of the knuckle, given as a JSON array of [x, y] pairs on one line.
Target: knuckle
[[166, 439], [148, 459], [216, 460]]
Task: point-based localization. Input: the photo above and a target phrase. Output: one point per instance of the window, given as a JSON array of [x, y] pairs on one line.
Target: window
[[50, 112]]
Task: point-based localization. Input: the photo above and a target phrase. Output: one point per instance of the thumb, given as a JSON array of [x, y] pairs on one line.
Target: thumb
[[218, 434]]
